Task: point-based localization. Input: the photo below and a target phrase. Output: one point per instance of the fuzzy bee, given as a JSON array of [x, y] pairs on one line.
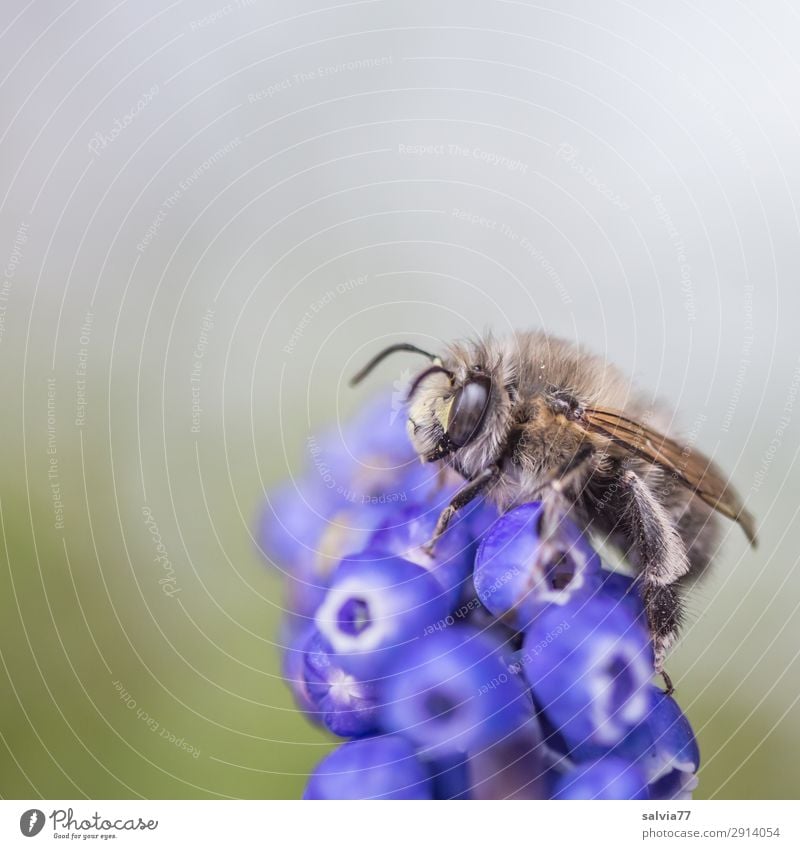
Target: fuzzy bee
[[533, 417]]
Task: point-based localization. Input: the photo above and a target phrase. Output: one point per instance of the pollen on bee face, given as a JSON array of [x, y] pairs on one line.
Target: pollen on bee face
[[443, 412]]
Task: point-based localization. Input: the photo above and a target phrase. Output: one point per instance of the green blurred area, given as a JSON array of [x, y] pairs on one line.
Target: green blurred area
[[113, 689]]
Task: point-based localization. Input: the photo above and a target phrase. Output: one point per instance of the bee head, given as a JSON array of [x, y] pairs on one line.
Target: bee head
[[447, 413], [457, 404]]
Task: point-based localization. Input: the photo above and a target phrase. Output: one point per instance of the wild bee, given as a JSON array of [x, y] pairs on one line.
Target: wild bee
[[532, 417]]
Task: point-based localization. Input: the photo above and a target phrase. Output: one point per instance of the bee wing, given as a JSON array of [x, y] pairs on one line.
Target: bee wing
[[691, 467]]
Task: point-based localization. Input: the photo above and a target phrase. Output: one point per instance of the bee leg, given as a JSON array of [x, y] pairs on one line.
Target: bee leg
[[561, 478], [553, 492], [467, 493], [441, 477], [662, 559], [558, 494]]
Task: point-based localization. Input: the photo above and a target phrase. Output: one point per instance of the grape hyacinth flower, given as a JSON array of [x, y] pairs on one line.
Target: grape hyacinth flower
[[375, 607], [453, 694], [517, 572], [672, 757], [407, 531], [374, 768], [590, 665], [510, 664], [606, 778], [344, 704]]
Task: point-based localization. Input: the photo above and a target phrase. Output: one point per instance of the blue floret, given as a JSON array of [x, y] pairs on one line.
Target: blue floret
[[374, 768]]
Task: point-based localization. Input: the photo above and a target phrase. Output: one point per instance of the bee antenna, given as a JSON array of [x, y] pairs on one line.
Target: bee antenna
[[425, 374], [380, 357]]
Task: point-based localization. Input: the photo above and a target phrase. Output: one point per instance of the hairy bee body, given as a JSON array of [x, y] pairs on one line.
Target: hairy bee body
[[529, 434], [533, 417]]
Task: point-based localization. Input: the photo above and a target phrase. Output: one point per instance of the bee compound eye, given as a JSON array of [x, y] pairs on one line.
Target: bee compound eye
[[468, 411]]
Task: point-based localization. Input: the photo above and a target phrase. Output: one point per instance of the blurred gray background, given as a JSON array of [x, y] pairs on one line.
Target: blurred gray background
[[211, 212]]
